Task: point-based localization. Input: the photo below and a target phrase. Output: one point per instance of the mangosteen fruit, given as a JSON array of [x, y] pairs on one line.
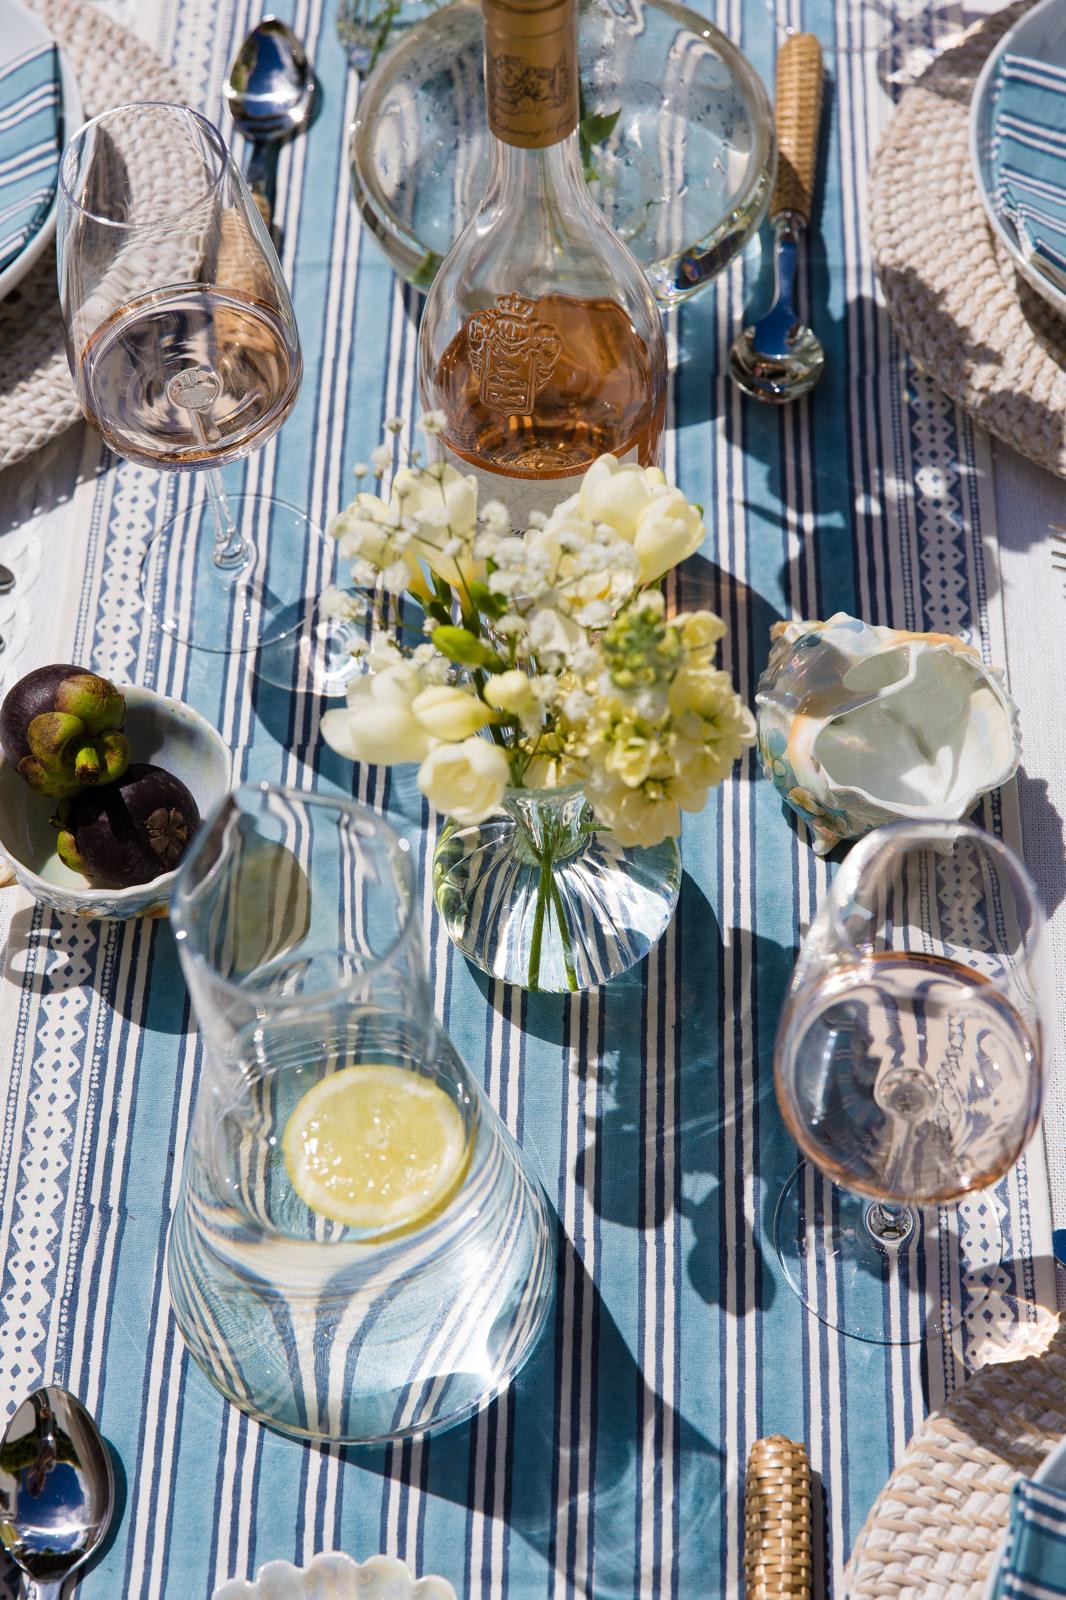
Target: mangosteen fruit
[[59, 727], [129, 831]]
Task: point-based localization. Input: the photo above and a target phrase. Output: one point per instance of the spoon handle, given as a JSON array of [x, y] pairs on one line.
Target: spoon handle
[[260, 175], [797, 114], [37, 1589]]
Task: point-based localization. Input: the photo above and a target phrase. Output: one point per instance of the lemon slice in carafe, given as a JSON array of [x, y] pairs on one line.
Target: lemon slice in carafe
[[375, 1147]]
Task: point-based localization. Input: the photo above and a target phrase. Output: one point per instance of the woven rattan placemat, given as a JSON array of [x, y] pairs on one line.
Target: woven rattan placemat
[[957, 302], [36, 395], [936, 1527]]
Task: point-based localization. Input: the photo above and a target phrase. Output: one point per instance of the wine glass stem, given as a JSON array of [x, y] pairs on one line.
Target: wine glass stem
[[890, 1225], [232, 552]]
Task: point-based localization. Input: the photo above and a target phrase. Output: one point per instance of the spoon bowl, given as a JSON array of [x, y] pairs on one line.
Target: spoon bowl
[[270, 91], [271, 94], [57, 1488]]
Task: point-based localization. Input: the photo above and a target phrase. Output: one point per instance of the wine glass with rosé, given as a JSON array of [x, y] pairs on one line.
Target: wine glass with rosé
[[182, 342], [909, 1068]]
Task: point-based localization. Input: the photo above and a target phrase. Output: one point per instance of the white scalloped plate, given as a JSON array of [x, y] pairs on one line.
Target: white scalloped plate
[[337, 1577]]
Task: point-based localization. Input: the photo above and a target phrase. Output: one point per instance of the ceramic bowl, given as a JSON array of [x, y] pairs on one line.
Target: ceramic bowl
[[337, 1577], [1041, 35], [160, 730], [683, 176]]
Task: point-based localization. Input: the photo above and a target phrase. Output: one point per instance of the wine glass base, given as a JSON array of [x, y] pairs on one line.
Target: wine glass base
[[230, 613], [314, 654], [884, 1294]]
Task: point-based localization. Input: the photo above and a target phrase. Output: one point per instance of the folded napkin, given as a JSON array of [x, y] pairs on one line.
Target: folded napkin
[[1029, 159], [1034, 1561], [31, 105]]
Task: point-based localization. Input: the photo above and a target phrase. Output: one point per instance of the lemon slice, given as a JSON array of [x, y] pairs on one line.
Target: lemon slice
[[375, 1146]]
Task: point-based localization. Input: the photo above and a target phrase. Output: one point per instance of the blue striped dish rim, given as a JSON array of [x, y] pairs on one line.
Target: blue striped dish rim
[[73, 117], [982, 110], [1052, 1471]]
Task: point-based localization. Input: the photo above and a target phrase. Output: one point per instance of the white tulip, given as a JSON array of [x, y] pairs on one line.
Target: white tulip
[[668, 532], [465, 781], [450, 713]]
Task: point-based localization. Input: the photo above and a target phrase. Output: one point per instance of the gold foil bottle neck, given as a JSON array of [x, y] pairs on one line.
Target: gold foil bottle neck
[[531, 70]]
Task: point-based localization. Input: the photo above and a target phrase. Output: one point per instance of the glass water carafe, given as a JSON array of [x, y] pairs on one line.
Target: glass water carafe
[[296, 920]]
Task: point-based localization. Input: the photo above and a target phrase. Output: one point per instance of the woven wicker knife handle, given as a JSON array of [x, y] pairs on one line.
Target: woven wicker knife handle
[[797, 115], [777, 1521]]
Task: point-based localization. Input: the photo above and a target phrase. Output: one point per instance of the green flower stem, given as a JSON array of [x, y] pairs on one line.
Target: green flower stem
[[548, 894], [543, 890], [564, 934]]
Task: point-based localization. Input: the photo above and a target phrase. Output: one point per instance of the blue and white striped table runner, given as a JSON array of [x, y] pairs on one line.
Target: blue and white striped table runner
[[612, 1469]]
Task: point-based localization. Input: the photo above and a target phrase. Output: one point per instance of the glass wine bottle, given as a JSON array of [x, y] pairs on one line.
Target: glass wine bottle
[[540, 344]]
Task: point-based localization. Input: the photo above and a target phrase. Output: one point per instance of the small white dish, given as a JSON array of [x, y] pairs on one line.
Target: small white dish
[[20, 31], [337, 1577], [167, 733], [1053, 1473], [1041, 35]]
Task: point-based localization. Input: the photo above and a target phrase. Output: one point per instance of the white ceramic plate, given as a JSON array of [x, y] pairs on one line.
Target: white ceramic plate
[[20, 30], [1053, 1473], [337, 1577], [1041, 35]]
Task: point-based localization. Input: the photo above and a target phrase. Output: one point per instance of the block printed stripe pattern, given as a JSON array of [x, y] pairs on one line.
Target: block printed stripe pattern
[[612, 1469]]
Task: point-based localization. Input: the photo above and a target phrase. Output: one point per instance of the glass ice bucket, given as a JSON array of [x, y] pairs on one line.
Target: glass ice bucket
[[296, 920]]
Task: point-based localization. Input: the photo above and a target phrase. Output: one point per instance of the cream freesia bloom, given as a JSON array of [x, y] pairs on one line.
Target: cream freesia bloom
[[378, 724], [442, 504], [366, 530], [617, 495], [449, 713], [466, 780], [668, 532], [512, 692]]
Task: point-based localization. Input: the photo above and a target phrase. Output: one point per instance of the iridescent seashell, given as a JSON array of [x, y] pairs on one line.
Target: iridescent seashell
[[860, 725]]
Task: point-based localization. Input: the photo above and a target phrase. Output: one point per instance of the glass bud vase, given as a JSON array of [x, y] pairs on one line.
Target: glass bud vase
[[540, 896], [296, 920]]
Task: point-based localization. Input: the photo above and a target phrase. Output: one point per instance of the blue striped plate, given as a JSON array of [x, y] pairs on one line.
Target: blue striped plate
[[1053, 1475], [39, 109], [1018, 147]]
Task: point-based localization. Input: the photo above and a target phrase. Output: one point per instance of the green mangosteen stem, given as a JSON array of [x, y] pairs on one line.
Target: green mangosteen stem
[[87, 765], [67, 851], [115, 754]]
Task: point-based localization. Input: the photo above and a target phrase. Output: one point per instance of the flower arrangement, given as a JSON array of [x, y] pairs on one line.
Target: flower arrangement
[[547, 658]]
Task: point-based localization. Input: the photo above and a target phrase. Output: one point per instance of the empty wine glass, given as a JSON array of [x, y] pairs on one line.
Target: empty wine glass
[[908, 1068], [183, 346]]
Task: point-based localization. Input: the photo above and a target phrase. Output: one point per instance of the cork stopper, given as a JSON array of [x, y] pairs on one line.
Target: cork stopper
[[777, 1521], [797, 115], [531, 85]]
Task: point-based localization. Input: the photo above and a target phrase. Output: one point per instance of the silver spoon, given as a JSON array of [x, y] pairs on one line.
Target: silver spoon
[[270, 94], [780, 358], [57, 1490]]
